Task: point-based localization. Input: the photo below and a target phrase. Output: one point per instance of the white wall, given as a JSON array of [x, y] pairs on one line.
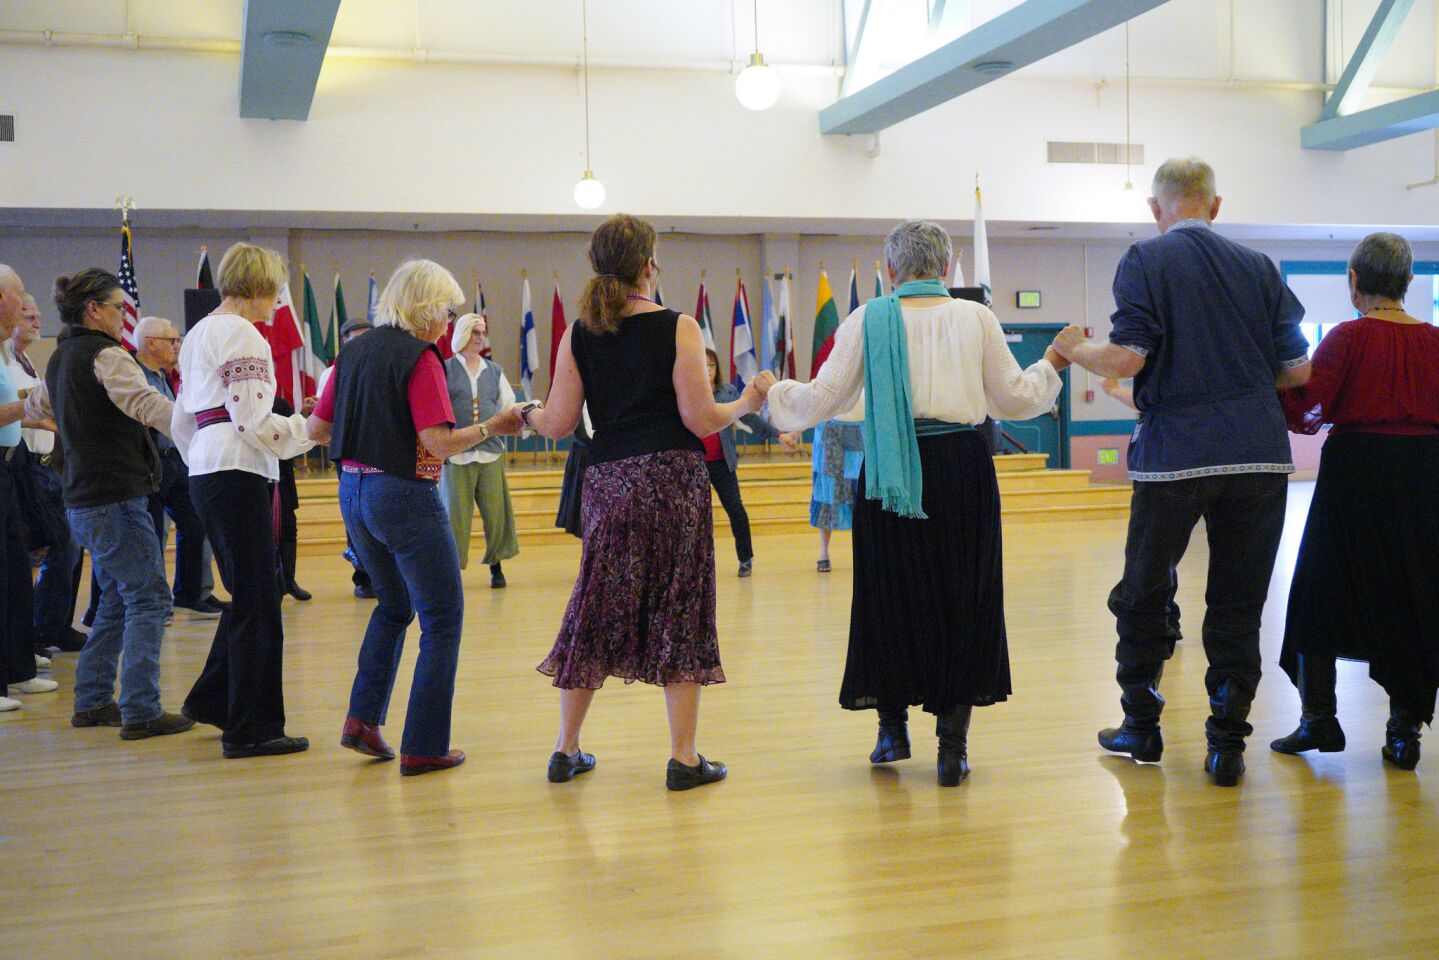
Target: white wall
[[162, 127]]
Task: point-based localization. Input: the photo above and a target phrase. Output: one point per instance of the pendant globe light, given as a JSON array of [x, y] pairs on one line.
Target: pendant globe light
[[589, 192], [757, 85]]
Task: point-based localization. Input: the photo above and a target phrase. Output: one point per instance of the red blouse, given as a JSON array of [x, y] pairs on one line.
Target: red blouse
[[1370, 376]]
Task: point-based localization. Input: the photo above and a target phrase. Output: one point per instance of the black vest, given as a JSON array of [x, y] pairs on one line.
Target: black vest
[[109, 458], [373, 424]]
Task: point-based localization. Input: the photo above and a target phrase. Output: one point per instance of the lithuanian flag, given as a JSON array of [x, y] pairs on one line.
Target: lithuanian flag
[[826, 322]]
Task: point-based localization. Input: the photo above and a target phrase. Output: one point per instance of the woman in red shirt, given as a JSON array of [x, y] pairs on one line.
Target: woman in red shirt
[[1366, 584]]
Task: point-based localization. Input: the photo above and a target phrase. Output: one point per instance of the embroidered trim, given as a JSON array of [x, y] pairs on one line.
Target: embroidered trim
[[1142, 351], [244, 368], [1214, 471], [1296, 362]]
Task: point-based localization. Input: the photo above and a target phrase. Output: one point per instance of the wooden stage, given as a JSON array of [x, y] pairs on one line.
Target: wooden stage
[[161, 849]]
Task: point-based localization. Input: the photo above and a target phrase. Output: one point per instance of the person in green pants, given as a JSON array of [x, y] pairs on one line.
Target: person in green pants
[[476, 477]]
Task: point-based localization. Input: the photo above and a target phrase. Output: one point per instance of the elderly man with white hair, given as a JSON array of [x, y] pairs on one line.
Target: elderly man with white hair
[[157, 348], [1208, 329], [476, 477], [927, 621]]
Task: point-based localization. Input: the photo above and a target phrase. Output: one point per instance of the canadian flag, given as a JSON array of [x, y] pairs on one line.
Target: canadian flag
[[283, 334]]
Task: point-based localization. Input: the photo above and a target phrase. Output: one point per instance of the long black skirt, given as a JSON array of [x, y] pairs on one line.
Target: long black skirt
[[927, 619], [1366, 584], [572, 493]]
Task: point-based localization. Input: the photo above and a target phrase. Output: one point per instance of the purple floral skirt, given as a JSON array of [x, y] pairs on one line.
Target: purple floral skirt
[[643, 607]]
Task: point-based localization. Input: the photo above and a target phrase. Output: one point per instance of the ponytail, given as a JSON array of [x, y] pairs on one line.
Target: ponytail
[[619, 250]]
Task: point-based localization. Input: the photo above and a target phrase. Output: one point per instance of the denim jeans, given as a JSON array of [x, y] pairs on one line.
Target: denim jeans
[[55, 590], [402, 536], [1244, 516], [134, 601]]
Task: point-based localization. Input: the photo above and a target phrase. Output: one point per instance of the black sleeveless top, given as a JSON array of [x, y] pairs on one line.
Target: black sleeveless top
[[629, 387]]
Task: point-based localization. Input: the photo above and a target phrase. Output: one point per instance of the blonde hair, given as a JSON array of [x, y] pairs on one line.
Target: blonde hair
[[251, 272], [415, 296], [1184, 178], [619, 252]]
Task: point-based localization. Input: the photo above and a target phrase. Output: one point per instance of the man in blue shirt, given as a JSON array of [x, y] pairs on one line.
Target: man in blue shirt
[[1208, 330]]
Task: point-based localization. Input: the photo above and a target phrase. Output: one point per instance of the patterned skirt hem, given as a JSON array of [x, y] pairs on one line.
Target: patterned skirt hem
[[551, 668]]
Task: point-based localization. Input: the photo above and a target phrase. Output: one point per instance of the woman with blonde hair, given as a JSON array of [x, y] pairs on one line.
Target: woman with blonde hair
[[386, 413], [226, 430], [643, 607]]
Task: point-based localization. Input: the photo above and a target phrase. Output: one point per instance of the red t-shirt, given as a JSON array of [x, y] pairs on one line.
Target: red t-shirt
[[713, 450], [1370, 376], [429, 397]]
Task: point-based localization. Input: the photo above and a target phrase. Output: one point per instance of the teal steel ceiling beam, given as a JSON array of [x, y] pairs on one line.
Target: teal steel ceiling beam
[[1030, 32], [281, 54], [1398, 119], [1372, 46]]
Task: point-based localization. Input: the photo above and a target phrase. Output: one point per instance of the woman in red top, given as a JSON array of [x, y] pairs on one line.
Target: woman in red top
[[1366, 584]]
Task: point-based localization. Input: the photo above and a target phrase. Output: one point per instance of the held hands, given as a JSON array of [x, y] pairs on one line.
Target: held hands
[[757, 389], [790, 441], [507, 422], [1068, 339], [308, 405]]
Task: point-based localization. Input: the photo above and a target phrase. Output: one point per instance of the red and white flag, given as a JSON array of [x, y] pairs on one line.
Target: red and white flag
[[283, 335], [126, 276]]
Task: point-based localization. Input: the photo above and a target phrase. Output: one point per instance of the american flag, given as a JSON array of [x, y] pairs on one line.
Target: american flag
[[126, 276]]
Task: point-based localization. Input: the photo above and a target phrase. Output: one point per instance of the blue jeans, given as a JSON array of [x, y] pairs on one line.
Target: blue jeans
[[55, 590], [402, 536], [134, 602]]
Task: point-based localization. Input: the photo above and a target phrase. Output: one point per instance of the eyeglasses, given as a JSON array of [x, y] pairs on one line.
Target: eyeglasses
[[117, 304], [166, 339]]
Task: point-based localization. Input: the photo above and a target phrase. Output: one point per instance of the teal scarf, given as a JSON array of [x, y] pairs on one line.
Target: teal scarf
[[892, 472]]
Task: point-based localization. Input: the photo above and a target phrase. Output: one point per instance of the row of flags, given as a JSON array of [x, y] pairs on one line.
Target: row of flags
[[302, 346]]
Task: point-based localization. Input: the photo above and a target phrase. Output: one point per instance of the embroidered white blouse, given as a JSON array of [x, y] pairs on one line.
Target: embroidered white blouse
[[225, 362], [960, 371]]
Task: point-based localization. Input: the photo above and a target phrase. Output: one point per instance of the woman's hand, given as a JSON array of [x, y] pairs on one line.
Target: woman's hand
[[308, 405], [757, 389], [790, 441], [1058, 362], [507, 422]]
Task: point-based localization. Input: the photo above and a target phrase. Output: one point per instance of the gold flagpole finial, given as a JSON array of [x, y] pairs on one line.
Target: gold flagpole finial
[[702, 276], [337, 267]]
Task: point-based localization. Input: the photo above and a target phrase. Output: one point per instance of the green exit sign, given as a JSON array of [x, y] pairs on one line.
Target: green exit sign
[[1109, 457], [1027, 299]]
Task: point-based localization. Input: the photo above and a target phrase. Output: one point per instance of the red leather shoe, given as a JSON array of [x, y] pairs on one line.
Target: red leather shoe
[[412, 766], [365, 738]]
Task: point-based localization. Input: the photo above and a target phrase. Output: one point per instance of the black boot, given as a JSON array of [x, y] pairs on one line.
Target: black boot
[[1401, 738], [1139, 734], [1226, 728], [893, 742], [953, 730], [1318, 725]]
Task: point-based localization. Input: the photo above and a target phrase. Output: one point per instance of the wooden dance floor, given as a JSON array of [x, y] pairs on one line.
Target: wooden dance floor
[[161, 849]]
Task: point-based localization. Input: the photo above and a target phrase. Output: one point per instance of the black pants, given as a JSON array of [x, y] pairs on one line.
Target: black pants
[[289, 545], [1244, 514], [17, 606], [240, 689], [174, 498], [726, 484]]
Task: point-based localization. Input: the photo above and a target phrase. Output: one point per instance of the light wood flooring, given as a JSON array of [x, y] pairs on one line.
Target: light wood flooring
[[161, 849]]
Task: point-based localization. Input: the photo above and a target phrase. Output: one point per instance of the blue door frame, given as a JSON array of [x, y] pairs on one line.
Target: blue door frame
[[1049, 432]]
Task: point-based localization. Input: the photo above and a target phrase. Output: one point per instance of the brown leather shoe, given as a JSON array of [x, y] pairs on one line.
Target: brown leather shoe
[[163, 725], [413, 766], [106, 716], [365, 738]]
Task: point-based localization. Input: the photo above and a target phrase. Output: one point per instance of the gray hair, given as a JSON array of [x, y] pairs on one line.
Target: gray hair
[[1184, 178], [1383, 266], [151, 327], [918, 250]]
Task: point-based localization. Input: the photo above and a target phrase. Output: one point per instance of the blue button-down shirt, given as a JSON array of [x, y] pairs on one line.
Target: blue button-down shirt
[[1216, 323], [162, 386]]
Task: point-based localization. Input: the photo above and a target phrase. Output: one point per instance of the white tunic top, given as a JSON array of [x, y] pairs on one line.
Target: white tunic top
[[225, 362], [507, 398], [960, 371], [36, 441]]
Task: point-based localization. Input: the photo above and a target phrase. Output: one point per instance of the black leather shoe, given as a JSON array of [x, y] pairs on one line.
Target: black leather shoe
[[892, 744], [680, 777], [497, 577], [1225, 768], [1146, 746], [68, 640], [1324, 735], [563, 767], [952, 729], [267, 748], [1401, 740], [298, 592], [364, 591]]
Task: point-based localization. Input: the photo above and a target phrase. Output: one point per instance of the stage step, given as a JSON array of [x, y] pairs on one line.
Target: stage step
[[776, 493]]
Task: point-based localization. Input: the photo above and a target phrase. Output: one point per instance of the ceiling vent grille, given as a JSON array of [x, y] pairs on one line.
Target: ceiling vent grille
[[7, 128], [1071, 151]]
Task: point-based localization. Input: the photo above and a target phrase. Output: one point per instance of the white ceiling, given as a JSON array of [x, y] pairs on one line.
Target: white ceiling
[[1187, 40]]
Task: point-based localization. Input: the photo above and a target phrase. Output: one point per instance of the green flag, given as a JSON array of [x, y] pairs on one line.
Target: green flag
[[826, 322], [338, 318], [317, 358]]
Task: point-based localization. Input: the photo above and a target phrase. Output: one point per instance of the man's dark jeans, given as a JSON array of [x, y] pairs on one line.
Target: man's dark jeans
[[1244, 514]]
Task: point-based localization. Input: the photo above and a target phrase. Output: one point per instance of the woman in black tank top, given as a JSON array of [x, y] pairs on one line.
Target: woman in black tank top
[[643, 606]]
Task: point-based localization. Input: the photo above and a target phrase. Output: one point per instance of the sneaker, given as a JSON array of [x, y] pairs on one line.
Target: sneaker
[[163, 725], [204, 607], [746, 568], [35, 685], [106, 716], [42, 663], [6, 704]]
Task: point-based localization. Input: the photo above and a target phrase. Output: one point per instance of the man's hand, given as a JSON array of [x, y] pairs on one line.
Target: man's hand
[[1067, 339], [790, 441], [307, 405]]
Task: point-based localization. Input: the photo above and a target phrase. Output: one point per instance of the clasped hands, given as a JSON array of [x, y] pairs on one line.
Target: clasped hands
[[757, 389], [1060, 353]]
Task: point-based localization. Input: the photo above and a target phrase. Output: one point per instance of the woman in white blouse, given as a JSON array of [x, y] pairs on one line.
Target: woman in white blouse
[[927, 621], [232, 442]]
